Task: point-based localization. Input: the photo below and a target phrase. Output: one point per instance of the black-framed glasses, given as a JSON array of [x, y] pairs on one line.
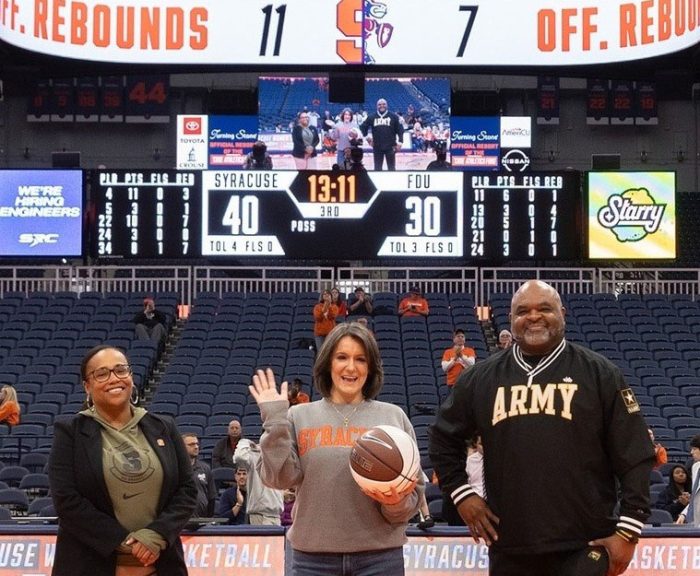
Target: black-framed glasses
[[121, 371]]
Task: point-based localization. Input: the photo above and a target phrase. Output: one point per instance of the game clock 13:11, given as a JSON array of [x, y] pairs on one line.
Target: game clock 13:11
[[332, 215]]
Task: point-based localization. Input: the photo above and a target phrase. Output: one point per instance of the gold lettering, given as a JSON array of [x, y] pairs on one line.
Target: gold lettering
[[567, 396], [542, 399], [499, 406], [518, 398]]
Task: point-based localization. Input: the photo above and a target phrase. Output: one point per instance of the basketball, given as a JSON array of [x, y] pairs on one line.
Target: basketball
[[383, 458]]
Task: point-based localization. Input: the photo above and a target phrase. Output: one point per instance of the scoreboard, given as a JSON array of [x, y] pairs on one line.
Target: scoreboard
[[532, 216], [346, 215], [145, 213], [335, 215]]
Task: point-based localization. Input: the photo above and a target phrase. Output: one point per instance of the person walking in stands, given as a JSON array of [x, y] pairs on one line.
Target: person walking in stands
[[325, 313], [562, 436], [9, 406], [203, 479], [456, 358], [150, 323], [413, 304], [386, 137], [308, 446], [121, 480], [222, 455]]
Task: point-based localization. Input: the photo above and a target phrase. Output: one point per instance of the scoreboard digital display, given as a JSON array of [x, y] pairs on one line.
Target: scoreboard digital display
[[344, 215], [530, 216], [335, 215], [145, 213]]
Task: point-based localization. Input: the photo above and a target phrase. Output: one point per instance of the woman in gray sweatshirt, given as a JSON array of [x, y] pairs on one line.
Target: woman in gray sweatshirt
[[337, 528]]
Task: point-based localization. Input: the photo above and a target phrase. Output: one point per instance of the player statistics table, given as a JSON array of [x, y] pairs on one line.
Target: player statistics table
[[383, 32], [338, 215], [145, 213], [533, 216]]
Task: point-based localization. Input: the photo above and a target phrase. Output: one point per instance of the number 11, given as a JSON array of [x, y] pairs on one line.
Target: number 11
[[267, 10]]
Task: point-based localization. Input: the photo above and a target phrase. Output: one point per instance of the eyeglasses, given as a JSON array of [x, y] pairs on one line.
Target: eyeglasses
[[121, 371]]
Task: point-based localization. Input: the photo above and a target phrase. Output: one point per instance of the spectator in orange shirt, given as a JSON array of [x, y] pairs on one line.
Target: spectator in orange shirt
[[659, 450], [457, 357], [414, 304], [9, 406], [339, 301], [325, 313], [295, 395]]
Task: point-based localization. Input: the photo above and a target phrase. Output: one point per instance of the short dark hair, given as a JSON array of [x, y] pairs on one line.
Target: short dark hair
[[695, 441], [91, 353], [459, 331], [322, 367]]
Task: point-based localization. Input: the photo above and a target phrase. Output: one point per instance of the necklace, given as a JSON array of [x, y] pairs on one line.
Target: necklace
[[346, 417]]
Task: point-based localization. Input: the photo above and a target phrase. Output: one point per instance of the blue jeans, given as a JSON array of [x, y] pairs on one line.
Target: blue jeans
[[371, 563]]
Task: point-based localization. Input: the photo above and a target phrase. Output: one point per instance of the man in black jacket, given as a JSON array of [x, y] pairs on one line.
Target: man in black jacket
[[387, 135], [560, 430], [150, 323]]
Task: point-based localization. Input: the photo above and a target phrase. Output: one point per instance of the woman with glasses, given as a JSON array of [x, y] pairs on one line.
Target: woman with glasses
[[304, 139], [121, 480]]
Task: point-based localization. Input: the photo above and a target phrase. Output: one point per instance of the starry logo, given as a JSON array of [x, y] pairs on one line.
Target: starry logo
[[568, 379], [632, 215], [630, 401]]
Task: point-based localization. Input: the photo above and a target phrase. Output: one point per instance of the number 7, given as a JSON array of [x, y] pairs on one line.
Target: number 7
[[468, 30]]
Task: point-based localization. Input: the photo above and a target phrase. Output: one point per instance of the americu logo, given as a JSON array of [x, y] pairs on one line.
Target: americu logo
[[375, 12], [632, 215]]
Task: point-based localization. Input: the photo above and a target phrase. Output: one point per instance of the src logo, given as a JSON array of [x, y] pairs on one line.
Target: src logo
[[36, 239]]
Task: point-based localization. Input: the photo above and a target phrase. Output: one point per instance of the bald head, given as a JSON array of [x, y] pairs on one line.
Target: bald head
[[537, 318]]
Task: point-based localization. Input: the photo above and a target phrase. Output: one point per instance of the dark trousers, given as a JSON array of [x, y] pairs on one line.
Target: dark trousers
[[379, 156], [590, 561]]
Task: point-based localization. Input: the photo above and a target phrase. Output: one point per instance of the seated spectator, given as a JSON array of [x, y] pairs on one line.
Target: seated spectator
[[414, 304], [659, 450], [9, 406], [325, 313], [505, 339], [150, 324], [295, 395], [691, 513], [362, 306], [258, 158], [222, 456], [232, 504], [676, 495], [457, 357], [289, 497], [339, 301], [203, 479]]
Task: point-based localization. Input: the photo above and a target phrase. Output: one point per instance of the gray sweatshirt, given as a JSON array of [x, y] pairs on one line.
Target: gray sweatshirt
[[309, 447]]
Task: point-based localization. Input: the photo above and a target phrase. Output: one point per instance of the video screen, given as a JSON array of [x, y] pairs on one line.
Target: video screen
[[41, 213], [631, 215], [421, 106]]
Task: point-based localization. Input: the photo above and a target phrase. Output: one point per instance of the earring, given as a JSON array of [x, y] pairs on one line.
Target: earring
[[134, 395], [88, 402]]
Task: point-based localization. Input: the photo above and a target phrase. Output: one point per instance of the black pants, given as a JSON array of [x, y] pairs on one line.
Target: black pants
[[590, 561], [379, 156]]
